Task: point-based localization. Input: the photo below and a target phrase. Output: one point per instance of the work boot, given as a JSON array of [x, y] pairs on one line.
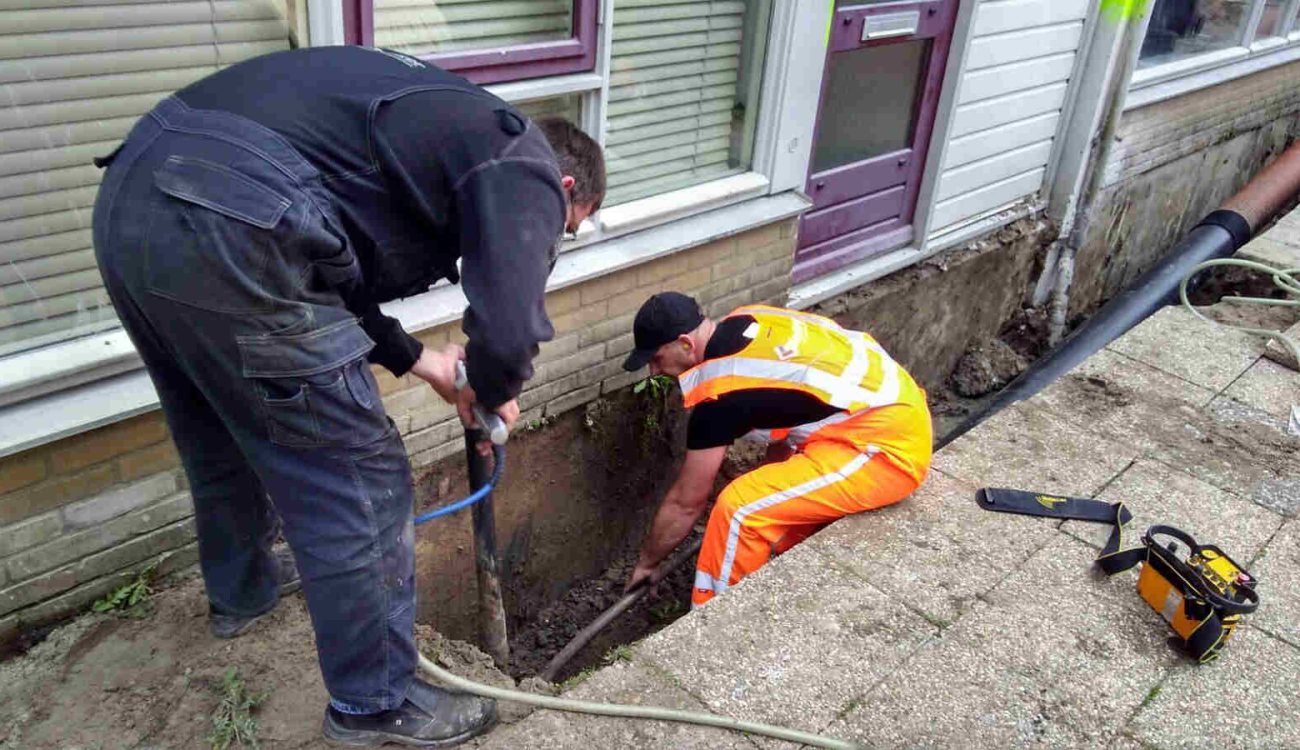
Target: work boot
[[230, 626], [429, 717]]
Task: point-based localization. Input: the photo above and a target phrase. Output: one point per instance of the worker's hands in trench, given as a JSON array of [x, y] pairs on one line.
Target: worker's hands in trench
[[644, 572]]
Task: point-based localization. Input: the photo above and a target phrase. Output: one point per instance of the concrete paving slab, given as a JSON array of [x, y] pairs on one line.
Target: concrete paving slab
[[1269, 387], [1176, 341], [1234, 447], [1053, 657], [1246, 699], [1286, 231], [936, 551], [637, 684], [1281, 354], [1124, 742], [1028, 448], [1278, 570], [794, 644], [1272, 252], [1111, 392], [542, 730], [1156, 493], [1228, 444]]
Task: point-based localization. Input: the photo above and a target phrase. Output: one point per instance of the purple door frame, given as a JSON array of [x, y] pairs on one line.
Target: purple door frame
[[576, 54], [865, 208]]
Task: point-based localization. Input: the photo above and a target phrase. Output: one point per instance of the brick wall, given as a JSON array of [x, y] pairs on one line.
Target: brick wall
[[1163, 132], [1172, 163], [78, 517]]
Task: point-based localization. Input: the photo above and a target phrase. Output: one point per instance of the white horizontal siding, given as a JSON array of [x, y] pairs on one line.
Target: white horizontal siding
[[75, 75], [987, 198], [1009, 103]]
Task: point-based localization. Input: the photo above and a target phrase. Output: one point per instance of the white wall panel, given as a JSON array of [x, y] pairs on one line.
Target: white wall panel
[[1009, 103]]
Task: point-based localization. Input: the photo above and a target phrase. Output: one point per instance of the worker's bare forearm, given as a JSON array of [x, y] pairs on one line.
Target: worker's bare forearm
[[672, 523]]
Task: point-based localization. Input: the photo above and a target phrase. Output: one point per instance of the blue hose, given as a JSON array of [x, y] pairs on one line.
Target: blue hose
[[499, 463]]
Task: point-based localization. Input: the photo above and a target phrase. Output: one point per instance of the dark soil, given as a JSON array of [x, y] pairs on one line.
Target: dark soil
[[535, 643], [533, 647], [986, 368]]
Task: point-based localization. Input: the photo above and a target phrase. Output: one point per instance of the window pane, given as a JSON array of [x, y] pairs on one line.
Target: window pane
[[568, 106], [889, 77], [1271, 22], [1183, 28], [683, 93], [425, 27], [65, 108]]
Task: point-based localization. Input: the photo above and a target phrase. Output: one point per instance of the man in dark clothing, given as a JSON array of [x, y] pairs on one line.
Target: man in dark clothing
[[247, 230]]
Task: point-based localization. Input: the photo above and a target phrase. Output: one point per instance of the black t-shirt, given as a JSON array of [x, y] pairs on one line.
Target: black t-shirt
[[724, 420]]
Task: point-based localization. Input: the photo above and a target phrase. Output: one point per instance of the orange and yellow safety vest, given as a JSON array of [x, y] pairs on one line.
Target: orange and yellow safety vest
[[803, 352]]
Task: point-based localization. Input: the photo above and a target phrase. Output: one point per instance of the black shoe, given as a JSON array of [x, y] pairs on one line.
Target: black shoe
[[230, 626], [430, 717]]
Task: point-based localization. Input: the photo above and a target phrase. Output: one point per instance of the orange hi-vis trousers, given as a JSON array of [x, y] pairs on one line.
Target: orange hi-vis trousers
[[865, 462]]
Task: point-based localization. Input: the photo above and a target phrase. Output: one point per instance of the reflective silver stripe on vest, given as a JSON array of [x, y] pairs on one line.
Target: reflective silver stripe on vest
[[738, 520], [800, 434], [705, 581], [840, 393]]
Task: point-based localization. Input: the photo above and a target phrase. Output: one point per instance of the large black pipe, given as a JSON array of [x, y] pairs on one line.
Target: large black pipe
[[1218, 235], [492, 615]]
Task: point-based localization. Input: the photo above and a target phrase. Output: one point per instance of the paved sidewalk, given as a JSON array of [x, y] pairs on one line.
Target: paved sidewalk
[[934, 624]]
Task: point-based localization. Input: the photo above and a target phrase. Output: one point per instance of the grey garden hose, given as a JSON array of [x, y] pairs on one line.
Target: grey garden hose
[[631, 712], [1285, 279]]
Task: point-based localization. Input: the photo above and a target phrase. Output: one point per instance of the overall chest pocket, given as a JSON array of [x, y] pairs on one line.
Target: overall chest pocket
[[316, 388]]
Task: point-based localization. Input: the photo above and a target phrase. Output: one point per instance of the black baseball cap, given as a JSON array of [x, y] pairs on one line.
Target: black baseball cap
[[662, 318]]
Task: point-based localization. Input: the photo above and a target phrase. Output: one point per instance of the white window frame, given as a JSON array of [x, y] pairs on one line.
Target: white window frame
[[1250, 55], [83, 383]]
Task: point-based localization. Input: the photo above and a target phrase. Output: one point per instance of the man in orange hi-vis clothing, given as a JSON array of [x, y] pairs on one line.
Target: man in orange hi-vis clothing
[[848, 430]]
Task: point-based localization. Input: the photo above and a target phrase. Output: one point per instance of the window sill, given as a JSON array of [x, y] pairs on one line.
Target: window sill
[[1164, 82], [813, 291], [97, 390]]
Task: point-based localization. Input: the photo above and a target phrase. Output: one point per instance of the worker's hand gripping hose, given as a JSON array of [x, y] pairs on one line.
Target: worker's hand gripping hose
[[488, 421], [631, 712]]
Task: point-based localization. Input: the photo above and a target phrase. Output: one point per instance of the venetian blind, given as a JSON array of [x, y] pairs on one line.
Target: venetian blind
[[75, 75], [673, 119], [423, 27]]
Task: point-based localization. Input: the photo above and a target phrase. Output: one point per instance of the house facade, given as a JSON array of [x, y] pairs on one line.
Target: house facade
[[797, 152]]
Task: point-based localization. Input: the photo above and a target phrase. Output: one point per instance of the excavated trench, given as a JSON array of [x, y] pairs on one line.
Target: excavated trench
[[579, 493]]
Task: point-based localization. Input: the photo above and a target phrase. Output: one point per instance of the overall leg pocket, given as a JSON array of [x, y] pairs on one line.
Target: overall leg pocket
[[316, 388], [212, 236]]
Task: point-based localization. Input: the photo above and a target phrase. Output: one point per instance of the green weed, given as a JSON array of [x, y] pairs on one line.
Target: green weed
[[130, 598], [577, 679], [618, 653], [667, 610], [655, 392], [656, 388], [233, 724]]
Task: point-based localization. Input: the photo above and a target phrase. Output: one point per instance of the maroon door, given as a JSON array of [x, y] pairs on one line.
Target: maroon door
[[884, 70]]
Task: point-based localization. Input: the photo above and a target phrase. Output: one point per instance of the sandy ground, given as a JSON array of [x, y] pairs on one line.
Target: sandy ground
[[111, 682]]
